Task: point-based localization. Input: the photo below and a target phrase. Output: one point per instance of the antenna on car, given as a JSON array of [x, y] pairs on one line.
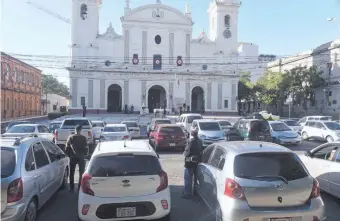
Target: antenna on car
[[260, 145]]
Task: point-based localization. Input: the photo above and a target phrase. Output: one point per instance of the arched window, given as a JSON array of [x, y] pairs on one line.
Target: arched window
[[83, 11], [227, 21], [15, 74], [7, 71]]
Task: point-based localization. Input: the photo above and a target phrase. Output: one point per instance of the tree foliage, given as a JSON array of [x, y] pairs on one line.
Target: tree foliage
[[269, 87], [245, 87], [51, 85]]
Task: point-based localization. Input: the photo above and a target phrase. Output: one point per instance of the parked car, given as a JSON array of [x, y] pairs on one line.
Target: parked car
[[156, 121], [294, 125], [303, 120], [321, 130], [186, 120], [124, 180], [115, 132], [233, 135], [254, 129], [32, 170], [67, 128], [133, 128], [283, 134], [168, 136], [12, 123], [257, 181], [323, 163], [97, 128], [209, 131], [24, 130]]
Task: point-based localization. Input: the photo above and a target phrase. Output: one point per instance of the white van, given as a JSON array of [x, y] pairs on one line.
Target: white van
[[185, 120], [303, 120]]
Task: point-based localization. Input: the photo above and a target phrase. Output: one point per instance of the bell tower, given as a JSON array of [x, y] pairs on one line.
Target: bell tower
[[223, 21]]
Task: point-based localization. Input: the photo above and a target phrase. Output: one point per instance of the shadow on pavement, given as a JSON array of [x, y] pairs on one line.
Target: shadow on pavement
[[332, 206]]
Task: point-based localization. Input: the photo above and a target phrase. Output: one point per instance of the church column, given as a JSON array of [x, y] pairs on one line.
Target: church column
[[187, 48], [144, 47], [219, 96], [90, 93], [126, 93], [187, 94], [171, 47], [144, 94], [233, 95], [171, 95], [74, 92], [126, 45], [208, 102], [102, 94]]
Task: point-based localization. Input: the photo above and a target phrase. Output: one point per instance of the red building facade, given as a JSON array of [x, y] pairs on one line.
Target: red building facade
[[20, 89]]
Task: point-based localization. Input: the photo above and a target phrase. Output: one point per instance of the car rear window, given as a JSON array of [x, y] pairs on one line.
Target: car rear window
[[17, 123], [291, 123], [224, 123], [325, 118], [124, 165], [162, 122], [130, 124], [259, 126], [287, 165], [8, 162], [21, 129], [171, 130], [114, 129], [98, 125], [192, 118], [74, 123]]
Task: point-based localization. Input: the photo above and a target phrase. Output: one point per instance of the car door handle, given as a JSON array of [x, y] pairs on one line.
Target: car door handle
[[37, 176]]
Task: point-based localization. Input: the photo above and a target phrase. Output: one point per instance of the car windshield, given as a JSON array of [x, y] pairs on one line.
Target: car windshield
[[259, 125], [224, 123], [325, 118], [8, 162], [17, 123], [256, 165], [74, 123], [279, 127], [171, 130], [21, 129], [291, 123], [124, 165], [332, 125], [130, 124], [99, 124], [209, 126], [192, 118], [114, 129], [54, 126]]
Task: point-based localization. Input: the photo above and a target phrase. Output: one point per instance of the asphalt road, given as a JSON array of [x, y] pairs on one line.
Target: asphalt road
[[63, 206]]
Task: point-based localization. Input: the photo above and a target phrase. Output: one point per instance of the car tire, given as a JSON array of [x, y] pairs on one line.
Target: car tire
[[329, 139], [166, 218], [65, 179], [304, 135], [31, 211]]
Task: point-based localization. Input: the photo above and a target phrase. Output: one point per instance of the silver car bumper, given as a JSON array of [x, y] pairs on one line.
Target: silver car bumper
[[15, 212]]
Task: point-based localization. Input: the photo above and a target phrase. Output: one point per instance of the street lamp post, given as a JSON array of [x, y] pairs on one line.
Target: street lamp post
[[335, 20]]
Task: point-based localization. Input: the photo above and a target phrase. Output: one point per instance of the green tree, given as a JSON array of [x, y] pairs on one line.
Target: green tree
[[303, 81], [246, 89], [51, 85]]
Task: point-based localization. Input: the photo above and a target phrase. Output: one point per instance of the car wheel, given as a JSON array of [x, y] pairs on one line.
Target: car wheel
[[166, 218], [65, 178], [329, 139], [31, 212], [304, 136]]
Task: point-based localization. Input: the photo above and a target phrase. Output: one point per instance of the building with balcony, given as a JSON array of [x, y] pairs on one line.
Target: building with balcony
[[20, 89]]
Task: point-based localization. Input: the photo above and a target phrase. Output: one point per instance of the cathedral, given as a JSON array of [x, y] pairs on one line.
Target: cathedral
[[156, 62]]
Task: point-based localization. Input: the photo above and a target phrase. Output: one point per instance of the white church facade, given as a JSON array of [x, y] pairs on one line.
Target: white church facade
[[156, 62]]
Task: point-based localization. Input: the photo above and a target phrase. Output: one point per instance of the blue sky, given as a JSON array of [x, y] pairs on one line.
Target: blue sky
[[282, 27]]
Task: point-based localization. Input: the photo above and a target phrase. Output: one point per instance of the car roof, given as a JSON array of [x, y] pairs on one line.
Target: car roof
[[129, 121], [16, 143], [205, 120], [169, 125], [115, 147], [20, 125], [154, 119], [191, 114], [97, 121], [240, 147], [56, 122], [115, 125], [318, 116], [274, 121], [77, 118]]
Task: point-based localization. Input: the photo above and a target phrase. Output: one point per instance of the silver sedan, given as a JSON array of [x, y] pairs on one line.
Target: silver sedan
[[32, 170]]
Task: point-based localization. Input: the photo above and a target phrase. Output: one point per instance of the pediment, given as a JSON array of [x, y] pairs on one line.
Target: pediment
[[110, 34], [157, 13]]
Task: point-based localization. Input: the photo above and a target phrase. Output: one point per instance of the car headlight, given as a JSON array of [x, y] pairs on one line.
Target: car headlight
[[202, 136]]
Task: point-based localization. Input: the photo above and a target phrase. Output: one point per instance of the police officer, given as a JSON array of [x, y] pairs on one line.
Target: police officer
[[192, 156], [76, 149]]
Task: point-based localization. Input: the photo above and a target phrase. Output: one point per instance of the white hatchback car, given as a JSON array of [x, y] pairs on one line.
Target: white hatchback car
[[124, 182]]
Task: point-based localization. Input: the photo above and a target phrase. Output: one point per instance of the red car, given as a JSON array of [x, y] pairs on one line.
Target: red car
[[168, 136]]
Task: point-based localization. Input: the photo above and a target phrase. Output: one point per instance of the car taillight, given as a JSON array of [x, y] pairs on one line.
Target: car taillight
[[164, 181], [15, 191], [233, 190], [85, 184], [89, 133], [56, 134], [125, 137], [315, 190]]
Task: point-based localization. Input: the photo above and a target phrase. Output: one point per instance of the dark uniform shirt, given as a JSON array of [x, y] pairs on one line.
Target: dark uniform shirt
[[76, 145], [193, 149]]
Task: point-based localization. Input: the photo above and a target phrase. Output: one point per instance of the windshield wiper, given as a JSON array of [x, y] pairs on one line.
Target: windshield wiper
[[134, 173], [276, 177]]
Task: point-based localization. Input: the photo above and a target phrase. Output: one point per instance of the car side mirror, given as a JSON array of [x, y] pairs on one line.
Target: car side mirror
[[308, 154]]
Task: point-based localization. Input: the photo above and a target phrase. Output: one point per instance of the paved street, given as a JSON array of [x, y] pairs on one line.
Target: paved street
[[63, 206]]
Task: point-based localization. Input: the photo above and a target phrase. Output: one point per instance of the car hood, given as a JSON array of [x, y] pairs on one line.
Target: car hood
[[288, 134], [16, 134], [114, 133], [219, 133]]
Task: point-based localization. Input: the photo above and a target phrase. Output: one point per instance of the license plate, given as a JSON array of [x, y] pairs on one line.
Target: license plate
[[172, 144], [280, 219], [126, 212]]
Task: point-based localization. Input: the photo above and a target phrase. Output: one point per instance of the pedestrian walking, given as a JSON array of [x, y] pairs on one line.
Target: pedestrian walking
[[76, 149], [192, 156]]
